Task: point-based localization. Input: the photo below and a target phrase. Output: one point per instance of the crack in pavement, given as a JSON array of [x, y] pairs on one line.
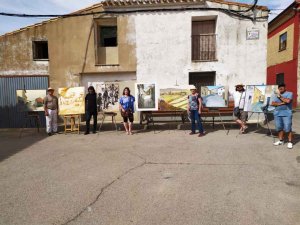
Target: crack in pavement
[[101, 192], [139, 166]]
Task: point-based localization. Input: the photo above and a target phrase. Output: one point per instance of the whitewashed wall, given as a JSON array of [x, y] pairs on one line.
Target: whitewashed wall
[[163, 49]]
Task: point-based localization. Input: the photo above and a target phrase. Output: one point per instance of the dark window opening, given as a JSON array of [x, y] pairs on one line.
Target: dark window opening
[[283, 42], [108, 36], [40, 50], [280, 78], [204, 40], [202, 79]]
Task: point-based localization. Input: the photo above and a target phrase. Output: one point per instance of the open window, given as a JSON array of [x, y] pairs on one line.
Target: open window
[[106, 36], [40, 50]]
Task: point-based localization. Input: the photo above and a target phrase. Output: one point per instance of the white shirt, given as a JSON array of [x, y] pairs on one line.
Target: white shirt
[[239, 99]]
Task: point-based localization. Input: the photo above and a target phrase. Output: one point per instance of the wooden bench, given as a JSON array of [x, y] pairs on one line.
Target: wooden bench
[[149, 115], [206, 112]]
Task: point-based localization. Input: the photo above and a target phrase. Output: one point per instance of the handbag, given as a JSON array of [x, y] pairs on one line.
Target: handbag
[[128, 112]]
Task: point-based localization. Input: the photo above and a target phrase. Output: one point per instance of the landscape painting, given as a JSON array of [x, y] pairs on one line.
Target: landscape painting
[[173, 99], [258, 97], [31, 100], [71, 101], [214, 96], [146, 97]]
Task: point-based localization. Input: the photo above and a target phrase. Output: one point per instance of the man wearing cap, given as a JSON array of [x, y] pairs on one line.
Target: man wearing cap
[[51, 111], [283, 115], [194, 110], [239, 102]]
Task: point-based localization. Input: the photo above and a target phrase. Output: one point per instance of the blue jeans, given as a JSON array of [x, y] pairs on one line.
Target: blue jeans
[[196, 117]]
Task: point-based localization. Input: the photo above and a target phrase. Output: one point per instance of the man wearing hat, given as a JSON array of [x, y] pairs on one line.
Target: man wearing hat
[[239, 102], [51, 111]]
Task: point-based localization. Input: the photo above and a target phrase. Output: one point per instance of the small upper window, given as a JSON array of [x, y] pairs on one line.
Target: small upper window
[[40, 50], [108, 36], [283, 41]]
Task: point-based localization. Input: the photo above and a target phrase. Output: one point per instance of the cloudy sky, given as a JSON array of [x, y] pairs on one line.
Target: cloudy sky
[[8, 24]]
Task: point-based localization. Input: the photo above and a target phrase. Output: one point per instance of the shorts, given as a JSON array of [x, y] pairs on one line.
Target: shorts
[[243, 116], [283, 123], [126, 118]]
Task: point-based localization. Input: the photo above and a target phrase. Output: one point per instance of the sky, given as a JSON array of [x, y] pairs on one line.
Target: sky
[[8, 24]]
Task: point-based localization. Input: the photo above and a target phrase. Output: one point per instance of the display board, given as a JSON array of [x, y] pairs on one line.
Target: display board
[[146, 96], [258, 97], [172, 99], [214, 96], [31, 100], [71, 101]]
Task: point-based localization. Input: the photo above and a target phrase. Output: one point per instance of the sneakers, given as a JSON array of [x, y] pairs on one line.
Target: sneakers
[[290, 145], [277, 143]]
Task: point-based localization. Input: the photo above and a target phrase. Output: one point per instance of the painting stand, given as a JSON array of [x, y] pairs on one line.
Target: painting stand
[[74, 125], [113, 119], [28, 118], [217, 111], [266, 121]]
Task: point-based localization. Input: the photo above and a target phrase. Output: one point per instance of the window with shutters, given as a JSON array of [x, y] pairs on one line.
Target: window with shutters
[[204, 40]]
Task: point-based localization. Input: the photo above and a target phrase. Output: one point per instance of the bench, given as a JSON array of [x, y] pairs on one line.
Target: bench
[[149, 115], [206, 112]]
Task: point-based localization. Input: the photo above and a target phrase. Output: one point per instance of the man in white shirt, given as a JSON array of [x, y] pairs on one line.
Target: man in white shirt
[[239, 102]]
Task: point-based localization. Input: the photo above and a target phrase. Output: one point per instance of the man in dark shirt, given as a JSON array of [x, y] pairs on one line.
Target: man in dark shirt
[[91, 109]]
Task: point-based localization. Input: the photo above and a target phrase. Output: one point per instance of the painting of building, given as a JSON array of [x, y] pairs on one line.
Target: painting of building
[[71, 101], [30, 100], [146, 97], [258, 97], [214, 96], [173, 99]]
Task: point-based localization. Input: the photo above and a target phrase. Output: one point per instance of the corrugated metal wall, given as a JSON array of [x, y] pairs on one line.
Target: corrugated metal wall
[[10, 116]]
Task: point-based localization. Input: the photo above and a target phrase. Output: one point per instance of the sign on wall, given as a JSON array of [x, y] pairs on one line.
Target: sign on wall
[[252, 34]]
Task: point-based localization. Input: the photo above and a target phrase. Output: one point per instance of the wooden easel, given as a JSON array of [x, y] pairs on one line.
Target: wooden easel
[[74, 125], [113, 119], [28, 118]]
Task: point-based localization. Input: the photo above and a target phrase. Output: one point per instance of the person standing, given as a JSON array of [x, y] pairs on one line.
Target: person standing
[[127, 109], [91, 109], [283, 115], [51, 111], [239, 102], [194, 110]]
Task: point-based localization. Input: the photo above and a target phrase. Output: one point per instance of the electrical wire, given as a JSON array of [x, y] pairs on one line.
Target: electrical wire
[[233, 13]]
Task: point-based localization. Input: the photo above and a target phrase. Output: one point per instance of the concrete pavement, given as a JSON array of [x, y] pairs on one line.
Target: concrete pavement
[[164, 178]]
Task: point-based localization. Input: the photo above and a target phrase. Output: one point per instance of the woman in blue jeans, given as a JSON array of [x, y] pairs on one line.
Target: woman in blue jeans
[[194, 109]]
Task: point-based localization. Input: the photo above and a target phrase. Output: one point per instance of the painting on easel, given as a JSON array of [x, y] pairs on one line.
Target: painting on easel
[[258, 97], [214, 96], [173, 99], [146, 97], [71, 101], [31, 100]]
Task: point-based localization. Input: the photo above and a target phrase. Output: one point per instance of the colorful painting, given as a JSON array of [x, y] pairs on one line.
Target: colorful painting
[[31, 100], [258, 97], [146, 97], [71, 101], [214, 96], [173, 99]]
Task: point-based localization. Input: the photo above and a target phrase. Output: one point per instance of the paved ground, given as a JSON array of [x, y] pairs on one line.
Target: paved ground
[[164, 178]]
